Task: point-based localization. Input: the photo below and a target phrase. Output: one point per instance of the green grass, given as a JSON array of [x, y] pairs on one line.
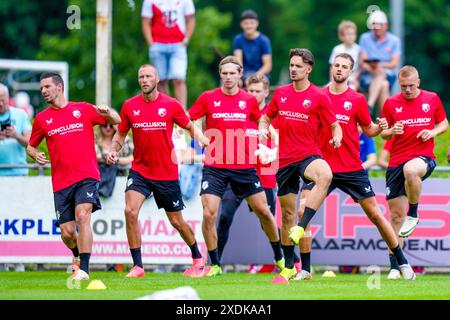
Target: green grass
[[50, 285]]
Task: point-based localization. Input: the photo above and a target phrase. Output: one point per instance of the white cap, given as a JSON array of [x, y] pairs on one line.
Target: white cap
[[377, 17]]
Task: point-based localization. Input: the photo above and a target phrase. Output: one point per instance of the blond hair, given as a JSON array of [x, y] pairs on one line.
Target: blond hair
[[254, 78], [230, 59], [407, 71], [344, 25]]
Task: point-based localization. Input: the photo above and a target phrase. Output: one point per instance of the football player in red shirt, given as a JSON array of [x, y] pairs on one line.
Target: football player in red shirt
[[415, 117], [67, 128], [300, 109], [348, 173], [229, 112], [151, 116]]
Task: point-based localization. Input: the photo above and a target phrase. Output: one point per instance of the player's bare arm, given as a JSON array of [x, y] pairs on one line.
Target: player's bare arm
[[336, 132], [440, 128], [373, 129], [117, 144], [263, 127], [197, 134], [39, 157], [396, 129], [109, 114]]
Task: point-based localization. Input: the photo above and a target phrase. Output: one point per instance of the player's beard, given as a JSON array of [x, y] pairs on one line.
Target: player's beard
[[149, 90], [342, 79]]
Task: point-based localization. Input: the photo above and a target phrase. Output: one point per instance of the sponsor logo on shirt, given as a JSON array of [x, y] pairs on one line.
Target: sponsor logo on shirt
[[283, 99], [425, 107], [242, 104], [347, 105], [217, 103], [398, 109], [252, 132], [76, 113], [50, 121], [343, 118], [162, 112], [416, 122], [294, 115], [136, 113], [306, 104], [150, 125], [66, 129], [230, 116]]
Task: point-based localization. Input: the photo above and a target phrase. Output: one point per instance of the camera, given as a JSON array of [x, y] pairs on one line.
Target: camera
[[5, 125]]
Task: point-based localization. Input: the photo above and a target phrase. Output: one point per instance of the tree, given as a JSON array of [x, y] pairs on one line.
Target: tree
[[130, 51]]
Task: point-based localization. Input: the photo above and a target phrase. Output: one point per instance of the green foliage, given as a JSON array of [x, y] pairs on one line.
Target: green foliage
[[130, 51]]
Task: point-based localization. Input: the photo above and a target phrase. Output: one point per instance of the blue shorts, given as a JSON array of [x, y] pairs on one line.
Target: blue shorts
[[167, 193], [84, 191], [288, 178], [243, 182], [395, 179], [366, 78], [170, 59]]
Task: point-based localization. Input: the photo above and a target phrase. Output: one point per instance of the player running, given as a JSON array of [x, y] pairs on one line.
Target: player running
[[229, 112], [415, 117], [300, 108], [67, 128], [348, 174], [151, 116]]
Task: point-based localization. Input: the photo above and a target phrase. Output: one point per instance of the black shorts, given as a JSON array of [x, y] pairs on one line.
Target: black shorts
[[167, 193], [288, 178], [84, 191], [243, 182], [356, 184], [395, 179]]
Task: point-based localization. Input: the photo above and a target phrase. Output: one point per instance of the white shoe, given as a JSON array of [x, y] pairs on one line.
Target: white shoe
[[303, 275], [394, 274], [407, 272], [80, 275], [408, 226]]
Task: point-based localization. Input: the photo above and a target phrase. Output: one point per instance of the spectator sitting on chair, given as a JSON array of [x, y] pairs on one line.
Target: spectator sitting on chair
[[14, 136], [252, 47], [380, 53]]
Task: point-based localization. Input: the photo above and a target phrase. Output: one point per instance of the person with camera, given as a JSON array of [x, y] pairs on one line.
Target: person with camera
[[14, 135]]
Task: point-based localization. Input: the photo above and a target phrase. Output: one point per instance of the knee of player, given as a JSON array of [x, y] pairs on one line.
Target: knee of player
[[67, 233], [131, 213], [288, 216], [177, 223], [410, 173], [83, 217]]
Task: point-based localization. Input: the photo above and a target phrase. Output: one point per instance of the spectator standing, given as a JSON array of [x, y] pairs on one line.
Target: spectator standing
[[168, 26], [14, 135], [252, 48]]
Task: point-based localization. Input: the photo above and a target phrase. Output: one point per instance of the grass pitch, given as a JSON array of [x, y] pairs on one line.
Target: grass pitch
[[50, 285]]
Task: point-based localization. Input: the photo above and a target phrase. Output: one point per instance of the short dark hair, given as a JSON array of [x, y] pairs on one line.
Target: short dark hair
[[305, 54], [56, 77], [348, 57], [249, 14]]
